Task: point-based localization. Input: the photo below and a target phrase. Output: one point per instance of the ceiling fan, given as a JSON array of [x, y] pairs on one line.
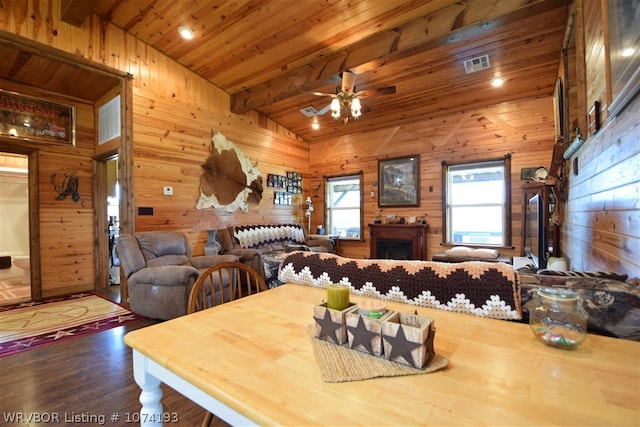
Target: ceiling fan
[[347, 97]]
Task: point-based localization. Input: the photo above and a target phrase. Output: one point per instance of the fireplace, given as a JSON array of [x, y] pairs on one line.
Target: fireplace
[[398, 241], [394, 248]]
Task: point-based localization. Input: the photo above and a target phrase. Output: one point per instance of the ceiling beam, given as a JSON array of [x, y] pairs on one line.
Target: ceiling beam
[[451, 24], [75, 12]]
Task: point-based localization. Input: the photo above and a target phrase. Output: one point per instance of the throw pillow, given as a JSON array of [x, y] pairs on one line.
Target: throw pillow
[[458, 251], [484, 253], [463, 251]]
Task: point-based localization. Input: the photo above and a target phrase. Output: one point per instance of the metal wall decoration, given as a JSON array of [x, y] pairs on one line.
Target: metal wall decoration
[[66, 185], [28, 118]]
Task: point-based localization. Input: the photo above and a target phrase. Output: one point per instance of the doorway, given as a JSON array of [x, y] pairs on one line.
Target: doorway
[[15, 266], [100, 83], [113, 218]]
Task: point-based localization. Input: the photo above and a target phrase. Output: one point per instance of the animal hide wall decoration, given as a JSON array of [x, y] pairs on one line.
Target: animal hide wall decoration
[[229, 180]]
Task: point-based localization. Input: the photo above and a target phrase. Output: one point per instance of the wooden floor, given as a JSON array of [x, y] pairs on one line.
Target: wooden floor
[[86, 377]]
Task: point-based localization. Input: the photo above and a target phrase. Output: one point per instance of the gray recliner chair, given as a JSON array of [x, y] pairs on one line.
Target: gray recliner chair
[[158, 272]]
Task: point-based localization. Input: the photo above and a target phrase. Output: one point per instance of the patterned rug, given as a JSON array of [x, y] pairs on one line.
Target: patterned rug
[[35, 324], [12, 290]]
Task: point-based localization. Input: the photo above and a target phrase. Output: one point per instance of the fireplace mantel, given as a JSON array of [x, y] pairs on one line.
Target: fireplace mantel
[[414, 233]]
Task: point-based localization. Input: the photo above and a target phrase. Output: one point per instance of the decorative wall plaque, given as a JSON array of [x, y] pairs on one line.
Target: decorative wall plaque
[[29, 118]]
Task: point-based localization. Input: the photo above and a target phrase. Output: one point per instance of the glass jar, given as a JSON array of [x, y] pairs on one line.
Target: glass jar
[[557, 318]]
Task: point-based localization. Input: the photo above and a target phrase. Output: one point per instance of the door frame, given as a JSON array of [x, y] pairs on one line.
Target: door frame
[[125, 163]]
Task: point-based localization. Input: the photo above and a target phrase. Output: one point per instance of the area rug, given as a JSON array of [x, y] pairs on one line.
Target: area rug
[[35, 324], [12, 290]]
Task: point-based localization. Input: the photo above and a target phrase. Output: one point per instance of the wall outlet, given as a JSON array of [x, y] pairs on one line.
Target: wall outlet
[[167, 191]]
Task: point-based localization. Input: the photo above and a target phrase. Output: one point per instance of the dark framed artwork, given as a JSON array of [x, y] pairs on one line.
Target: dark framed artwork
[[623, 21], [28, 118], [558, 109], [399, 180], [593, 119]]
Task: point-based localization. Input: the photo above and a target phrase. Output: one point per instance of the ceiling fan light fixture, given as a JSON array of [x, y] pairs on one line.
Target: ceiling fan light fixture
[[356, 110], [186, 32], [346, 97], [335, 108]]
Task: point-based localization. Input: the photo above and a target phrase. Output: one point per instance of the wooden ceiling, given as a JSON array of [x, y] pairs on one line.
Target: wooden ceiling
[[68, 74], [271, 54]]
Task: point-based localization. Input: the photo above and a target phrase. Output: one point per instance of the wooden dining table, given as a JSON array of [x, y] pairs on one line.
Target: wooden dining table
[[251, 362]]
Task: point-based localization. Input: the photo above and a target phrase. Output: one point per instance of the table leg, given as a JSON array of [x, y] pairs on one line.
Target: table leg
[[151, 412]]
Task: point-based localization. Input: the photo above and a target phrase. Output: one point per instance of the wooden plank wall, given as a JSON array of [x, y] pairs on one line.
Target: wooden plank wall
[[174, 112], [67, 233], [169, 148], [525, 129], [602, 227], [601, 231]]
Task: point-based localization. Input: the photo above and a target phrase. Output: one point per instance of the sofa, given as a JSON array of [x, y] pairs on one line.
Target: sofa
[[263, 246], [478, 288], [486, 289], [158, 272]]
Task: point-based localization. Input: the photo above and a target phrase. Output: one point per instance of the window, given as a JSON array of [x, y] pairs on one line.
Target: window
[[477, 203], [344, 206]]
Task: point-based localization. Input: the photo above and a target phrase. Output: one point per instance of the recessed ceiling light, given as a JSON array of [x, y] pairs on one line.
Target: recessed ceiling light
[[497, 81], [315, 125], [627, 52], [186, 32]]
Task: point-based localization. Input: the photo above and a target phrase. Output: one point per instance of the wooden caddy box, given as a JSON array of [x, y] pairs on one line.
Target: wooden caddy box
[[331, 324], [399, 337], [408, 339], [365, 333]]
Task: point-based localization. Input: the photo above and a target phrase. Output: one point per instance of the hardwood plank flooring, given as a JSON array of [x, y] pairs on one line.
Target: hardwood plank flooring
[[89, 376]]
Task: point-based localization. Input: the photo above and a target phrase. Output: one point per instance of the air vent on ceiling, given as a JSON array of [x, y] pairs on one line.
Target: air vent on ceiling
[[309, 111], [478, 63]]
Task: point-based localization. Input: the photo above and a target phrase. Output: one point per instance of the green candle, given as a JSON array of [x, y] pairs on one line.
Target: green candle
[[337, 296]]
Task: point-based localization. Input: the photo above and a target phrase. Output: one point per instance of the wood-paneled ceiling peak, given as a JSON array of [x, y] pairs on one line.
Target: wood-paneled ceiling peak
[[269, 55]]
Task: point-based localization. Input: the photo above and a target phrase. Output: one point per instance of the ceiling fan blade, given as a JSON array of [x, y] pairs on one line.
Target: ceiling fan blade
[[348, 81], [324, 110], [387, 90], [320, 94]]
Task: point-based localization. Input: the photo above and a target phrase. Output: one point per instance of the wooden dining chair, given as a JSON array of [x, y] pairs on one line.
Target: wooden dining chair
[[219, 284], [222, 283]]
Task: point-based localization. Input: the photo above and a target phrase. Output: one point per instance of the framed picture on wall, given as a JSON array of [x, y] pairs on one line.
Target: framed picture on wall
[[623, 21], [399, 180], [558, 110], [29, 118]]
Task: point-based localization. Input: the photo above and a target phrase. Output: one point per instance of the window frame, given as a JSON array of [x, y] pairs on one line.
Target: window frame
[[507, 225], [327, 208]]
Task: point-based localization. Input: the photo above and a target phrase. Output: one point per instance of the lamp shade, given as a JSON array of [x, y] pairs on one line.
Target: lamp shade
[[335, 108], [356, 108]]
